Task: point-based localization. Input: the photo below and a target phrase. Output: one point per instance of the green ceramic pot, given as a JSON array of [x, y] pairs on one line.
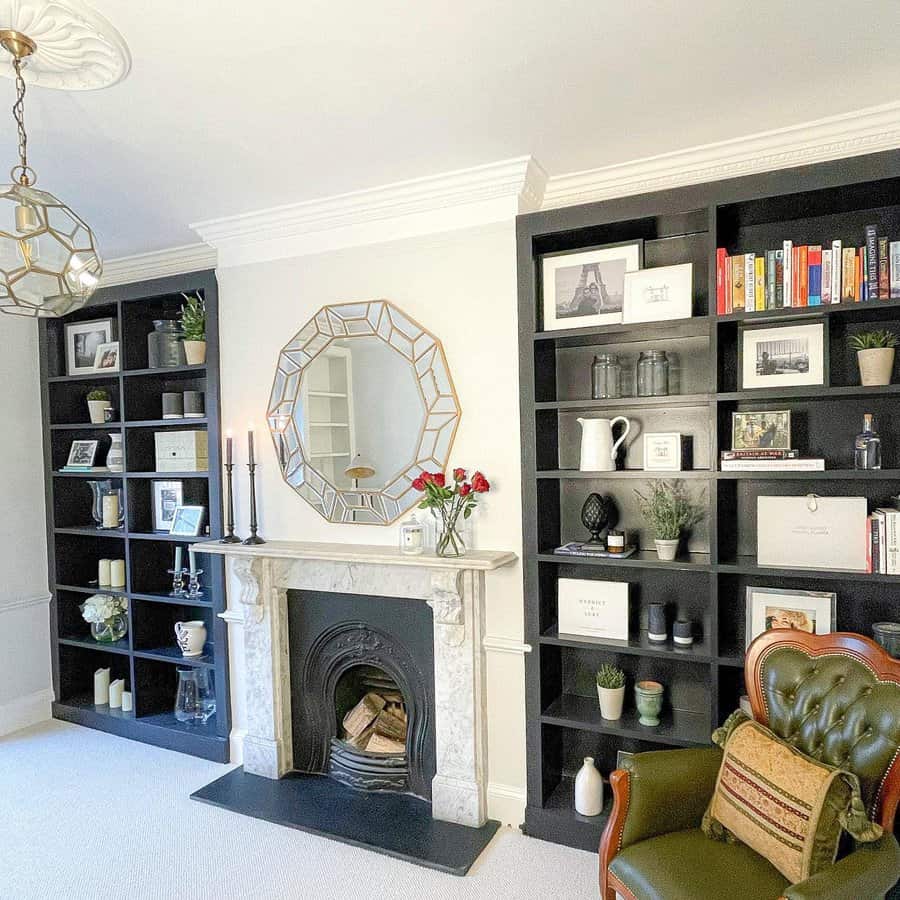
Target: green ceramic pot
[[648, 696]]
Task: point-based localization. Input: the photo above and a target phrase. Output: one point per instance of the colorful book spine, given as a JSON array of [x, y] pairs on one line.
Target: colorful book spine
[[895, 270], [871, 270], [749, 281], [884, 278], [814, 260], [848, 267], [803, 276], [770, 279], [729, 295], [858, 275], [779, 279], [737, 281], [787, 281], [836, 253], [875, 525], [826, 276], [721, 262], [760, 282]]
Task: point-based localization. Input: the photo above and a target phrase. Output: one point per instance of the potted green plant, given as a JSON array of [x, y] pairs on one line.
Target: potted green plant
[[875, 355], [193, 326], [669, 512], [98, 401], [610, 691]]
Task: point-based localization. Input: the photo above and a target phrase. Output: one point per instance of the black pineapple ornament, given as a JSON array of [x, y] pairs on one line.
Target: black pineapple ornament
[[595, 515]]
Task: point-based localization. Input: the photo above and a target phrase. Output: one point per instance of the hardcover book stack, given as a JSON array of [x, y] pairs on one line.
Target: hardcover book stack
[[808, 275], [884, 541], [761, 442]]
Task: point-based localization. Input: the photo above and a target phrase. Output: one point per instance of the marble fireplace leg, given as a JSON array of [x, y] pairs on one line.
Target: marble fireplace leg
[[268, 745], [458, 792]]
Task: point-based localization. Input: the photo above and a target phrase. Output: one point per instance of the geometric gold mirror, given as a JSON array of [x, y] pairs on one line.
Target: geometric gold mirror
[[362, 403]]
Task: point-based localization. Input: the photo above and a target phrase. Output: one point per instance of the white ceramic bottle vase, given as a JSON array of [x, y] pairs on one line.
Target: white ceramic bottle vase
[[589, 789], [598, 450]]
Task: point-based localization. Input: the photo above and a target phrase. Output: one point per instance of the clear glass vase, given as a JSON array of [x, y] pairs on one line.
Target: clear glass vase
[[450, 541], [111, 630], [195, 699]]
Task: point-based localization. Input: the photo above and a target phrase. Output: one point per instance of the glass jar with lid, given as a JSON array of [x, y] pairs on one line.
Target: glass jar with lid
[[606, 377], [653, 374], [165, 345]]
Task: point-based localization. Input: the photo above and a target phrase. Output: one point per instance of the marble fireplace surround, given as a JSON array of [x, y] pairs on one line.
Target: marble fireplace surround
[[453, 588]]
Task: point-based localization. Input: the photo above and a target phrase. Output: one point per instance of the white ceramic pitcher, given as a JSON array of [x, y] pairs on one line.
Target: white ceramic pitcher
[[191, 637], [598, 451]]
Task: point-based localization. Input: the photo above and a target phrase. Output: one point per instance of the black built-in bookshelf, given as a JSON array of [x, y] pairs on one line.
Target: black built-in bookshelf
[[148, 657], [808, 205]]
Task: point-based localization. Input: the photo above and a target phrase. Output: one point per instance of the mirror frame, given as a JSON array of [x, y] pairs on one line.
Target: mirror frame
[[440, 410]]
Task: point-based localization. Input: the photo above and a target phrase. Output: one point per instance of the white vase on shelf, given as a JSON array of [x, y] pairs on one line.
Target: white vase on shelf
[[588, 789]]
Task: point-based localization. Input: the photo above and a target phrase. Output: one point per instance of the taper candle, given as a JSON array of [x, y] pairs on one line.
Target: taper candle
[[101, 687], [103, 572], [250, 458], [117, 573], [127, 702], [178, 559], [192, 557], [229, 447], [115, 693]]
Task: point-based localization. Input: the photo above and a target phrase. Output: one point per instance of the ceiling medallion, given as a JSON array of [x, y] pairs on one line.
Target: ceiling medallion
[[49, 262]]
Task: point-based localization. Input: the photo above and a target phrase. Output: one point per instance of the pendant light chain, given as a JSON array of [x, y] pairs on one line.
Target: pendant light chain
[[19, 115]]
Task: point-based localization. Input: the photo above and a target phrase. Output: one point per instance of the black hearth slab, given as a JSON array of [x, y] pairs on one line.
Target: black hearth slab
[[394, 824]]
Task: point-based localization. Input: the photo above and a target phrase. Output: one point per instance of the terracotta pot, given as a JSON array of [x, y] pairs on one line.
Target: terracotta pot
[[195, 352], [876, 365]]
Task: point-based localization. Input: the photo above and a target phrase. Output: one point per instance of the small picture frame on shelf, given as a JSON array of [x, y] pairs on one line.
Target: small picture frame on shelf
[[593, 608], [782, 356], [659, 294], [811, 611], [187, 521], [167, 497], [583, 288], [106, 358], [667, 451], [768, 429], [83, 339], [82, 454]]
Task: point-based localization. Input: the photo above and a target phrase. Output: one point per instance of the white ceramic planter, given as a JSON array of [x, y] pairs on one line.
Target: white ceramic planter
[[667, 550], [195, 352], [589, 789], [95, 410], [611, 701], [876, 365]]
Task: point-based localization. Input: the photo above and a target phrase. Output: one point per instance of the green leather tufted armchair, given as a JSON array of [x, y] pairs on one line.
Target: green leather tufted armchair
[[835, 697]]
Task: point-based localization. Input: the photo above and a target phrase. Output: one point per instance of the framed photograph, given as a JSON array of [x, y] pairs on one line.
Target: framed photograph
[[593, 608], [107, 357], [587, 287], [167, 497], [782, 356], [667, 451], [83, 339], [188, 520], [809, 611], [654, 295], [82, 453], [766, 430]]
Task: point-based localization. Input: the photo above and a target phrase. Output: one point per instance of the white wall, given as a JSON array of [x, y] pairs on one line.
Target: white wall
[[25, 686], [461, 286]]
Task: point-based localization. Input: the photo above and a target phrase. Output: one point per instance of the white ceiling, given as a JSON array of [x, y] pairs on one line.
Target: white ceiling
[[231, 106]]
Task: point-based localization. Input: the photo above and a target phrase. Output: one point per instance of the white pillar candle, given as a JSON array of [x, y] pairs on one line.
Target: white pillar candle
[[101, 687], [103, 572], [110, 510], [193, 561], [178, 559], [117, 573], [127, 703], [115, 693]]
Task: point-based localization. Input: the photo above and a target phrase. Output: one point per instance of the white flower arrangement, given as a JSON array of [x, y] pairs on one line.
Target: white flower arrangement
[[101, 608]]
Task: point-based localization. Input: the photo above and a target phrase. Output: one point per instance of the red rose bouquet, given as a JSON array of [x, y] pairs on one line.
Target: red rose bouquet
[[447, 502]]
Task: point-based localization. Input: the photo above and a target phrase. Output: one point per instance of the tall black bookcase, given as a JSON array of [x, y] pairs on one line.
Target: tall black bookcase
[[148, 657], [809, 205]]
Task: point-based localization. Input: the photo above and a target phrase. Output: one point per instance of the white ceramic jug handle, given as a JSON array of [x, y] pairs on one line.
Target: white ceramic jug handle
[[624, 435]]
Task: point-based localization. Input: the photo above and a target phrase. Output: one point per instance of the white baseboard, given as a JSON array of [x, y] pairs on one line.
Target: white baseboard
[[24, 712], [506, 802], [236, 746]]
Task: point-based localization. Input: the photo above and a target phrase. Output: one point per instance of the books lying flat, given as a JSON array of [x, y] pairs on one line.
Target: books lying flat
[[580, 548], [84, 469], [773, 465], [761, 453]]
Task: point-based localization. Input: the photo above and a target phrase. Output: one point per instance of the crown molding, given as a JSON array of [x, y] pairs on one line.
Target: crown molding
[[849, 134], [158, 264], [439, 203]]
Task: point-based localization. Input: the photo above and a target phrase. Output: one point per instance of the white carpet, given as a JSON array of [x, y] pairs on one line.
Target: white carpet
[[89, 816]]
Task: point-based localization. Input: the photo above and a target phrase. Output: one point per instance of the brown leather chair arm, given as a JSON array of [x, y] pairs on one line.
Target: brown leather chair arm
[[658, 792], [870, 871]]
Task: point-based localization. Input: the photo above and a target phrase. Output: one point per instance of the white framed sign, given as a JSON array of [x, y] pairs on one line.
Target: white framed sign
[[665, 451], [663, 293], [593, 608]]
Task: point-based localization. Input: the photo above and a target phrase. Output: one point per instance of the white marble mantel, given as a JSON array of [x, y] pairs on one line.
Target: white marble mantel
[[453, 588]]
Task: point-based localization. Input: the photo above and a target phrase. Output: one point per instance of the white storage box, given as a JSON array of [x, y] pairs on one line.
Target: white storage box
[[182, 451]]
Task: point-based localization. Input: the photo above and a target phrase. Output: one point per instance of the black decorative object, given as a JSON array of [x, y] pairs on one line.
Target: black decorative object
[[683, 633], [230, 537], [194, 406], [172, 405], [656, 623], [595, 516], [254, 537]]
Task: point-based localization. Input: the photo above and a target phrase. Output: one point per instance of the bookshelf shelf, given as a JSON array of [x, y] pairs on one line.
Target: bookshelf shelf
[[707, 586]]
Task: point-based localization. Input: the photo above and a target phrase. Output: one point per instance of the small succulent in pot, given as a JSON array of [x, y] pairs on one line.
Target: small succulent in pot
[[875, 355], [193, 326], [610, 691], [97, 401], [669, 512]]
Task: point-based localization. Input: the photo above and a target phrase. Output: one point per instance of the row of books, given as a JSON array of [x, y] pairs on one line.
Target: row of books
[[808, 275], [883, 530]]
